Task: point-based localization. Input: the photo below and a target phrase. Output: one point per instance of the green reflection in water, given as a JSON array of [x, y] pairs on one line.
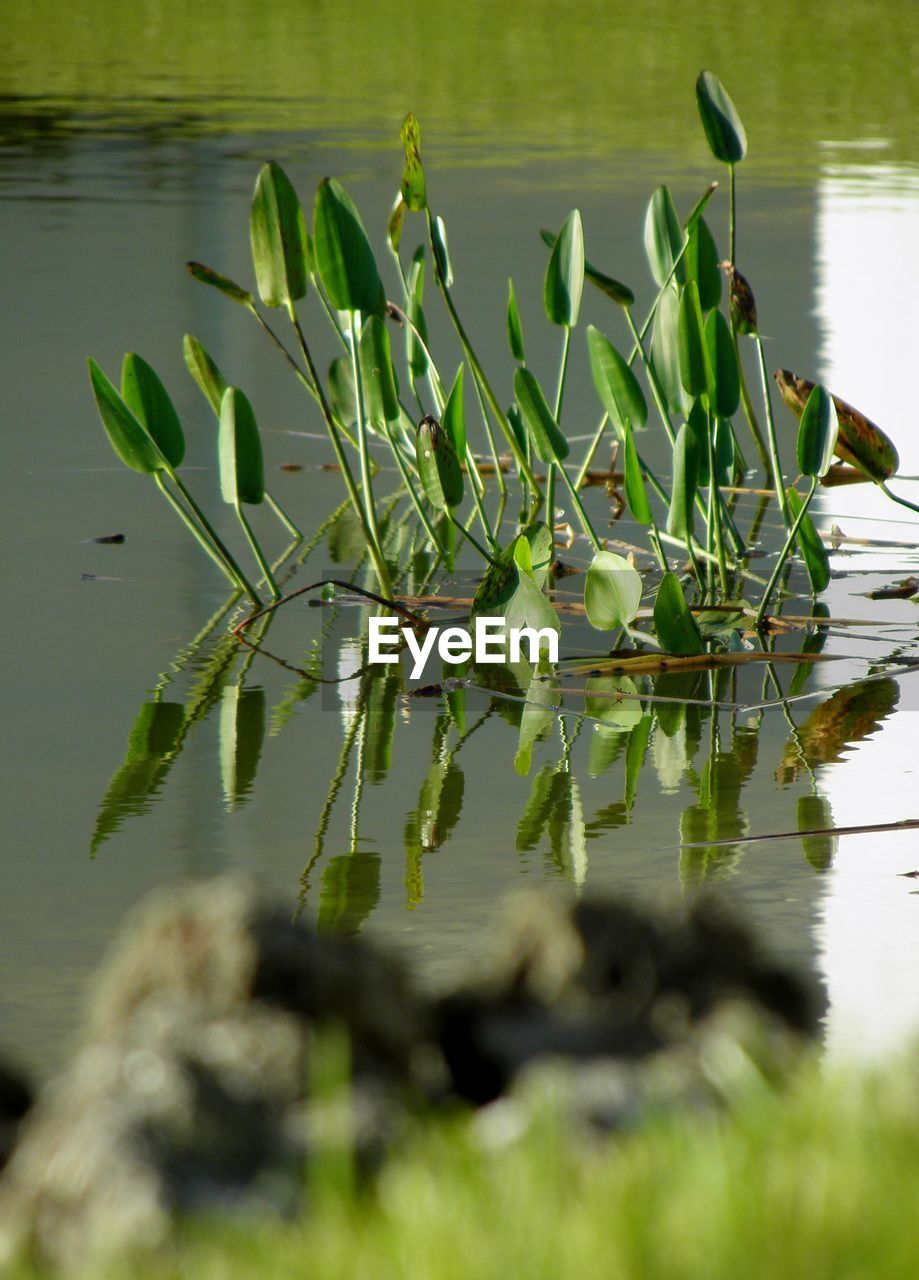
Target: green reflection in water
[[582, 79]]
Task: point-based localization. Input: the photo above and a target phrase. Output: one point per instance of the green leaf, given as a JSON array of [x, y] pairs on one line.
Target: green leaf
[[242, 733], [544, 431], [454, 416], [720, 120], [618, 388], [702, 265], [242, 475], [226, 286], [635, 494], [377, 373], [664, 237], [415, 353], [722, 358], [665, 351], [614, 289], [414, 188], [205, 372], [542, 550], [438, 465], [126, 435], [698, 423], [147, 398], [154, 742], [344, 258], [612, 592], [695, 370], [514, 327], [395, 224], [341, 390], [675, 626], [277, 232], [680, 518], [565, 273], [441, 252], [813, 550], [817, 433]]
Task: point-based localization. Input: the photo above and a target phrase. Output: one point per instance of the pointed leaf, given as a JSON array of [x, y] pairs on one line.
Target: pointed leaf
[[665, 351], [614, 289], [664, 237], [675, 626], [242, 475], [619, 390], [396, 222], [379, 379], [680, 518], [703, 264], [205, 372], [454, 416], [612, 592], [226, 286], [635, 493], [544, 431], [695, 370], [147, 398], [438, 465], [812, 547], [441, 251], [344, 258], [817, 433], [722, 358], [242, 733], [722, 124], [514, 327], [565, 273], [277, 232], [415, 353], [126, 435]]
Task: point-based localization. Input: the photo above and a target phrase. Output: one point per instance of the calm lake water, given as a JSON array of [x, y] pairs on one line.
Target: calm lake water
[[129, 142]]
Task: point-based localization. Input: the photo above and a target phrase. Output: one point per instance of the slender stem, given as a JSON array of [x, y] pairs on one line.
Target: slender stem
[[895, 497], [733, 225], [579, 507], [366, 483], [475, 542], [562, 374], [283, 517], [653, 382], [236, 578], [214, 536], [783, 556], [749, 414], [258, 553], [658, 547], [777, 480], [412, 493], [592, 450], [714, 504]]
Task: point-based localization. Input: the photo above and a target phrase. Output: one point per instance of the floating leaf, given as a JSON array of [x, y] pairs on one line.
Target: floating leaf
[[126, 435], [620, 293], [720, 120], [565, 273], [817, 433], [226, 286], [612, 592], [860, 441], [695, 369], [635, 493], [242, 473], [344, 258], [277, 232], [544, 431], [813, 551], [514, 327], [205, 372], [454, 416], [722, 357], [619, 390], [680, 517], [379, 379], [147, 398], [664, 237], [703, 265], [675, 626], [438, 465]]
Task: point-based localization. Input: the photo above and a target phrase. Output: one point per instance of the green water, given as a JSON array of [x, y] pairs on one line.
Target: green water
[[129, 141]]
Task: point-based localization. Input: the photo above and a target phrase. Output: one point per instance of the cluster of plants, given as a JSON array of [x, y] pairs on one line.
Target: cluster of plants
[[687, 351]]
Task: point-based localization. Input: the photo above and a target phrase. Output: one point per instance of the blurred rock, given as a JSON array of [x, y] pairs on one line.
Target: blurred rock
[[595, 979]]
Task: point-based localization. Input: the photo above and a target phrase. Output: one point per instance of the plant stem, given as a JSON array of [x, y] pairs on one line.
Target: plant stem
[[258, 553], [283, 517], [783, 556], [747, 403], [579, 507], [714, 505], [733, 224], [214, 536], [366, 484], [475, 542], [777, 480], [226, 567], [412, 493]]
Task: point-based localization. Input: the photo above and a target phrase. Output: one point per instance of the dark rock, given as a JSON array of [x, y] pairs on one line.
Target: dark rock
[[15, 1101]]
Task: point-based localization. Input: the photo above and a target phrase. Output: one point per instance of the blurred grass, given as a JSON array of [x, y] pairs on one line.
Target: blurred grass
[[581, 78], [820, 1182]]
